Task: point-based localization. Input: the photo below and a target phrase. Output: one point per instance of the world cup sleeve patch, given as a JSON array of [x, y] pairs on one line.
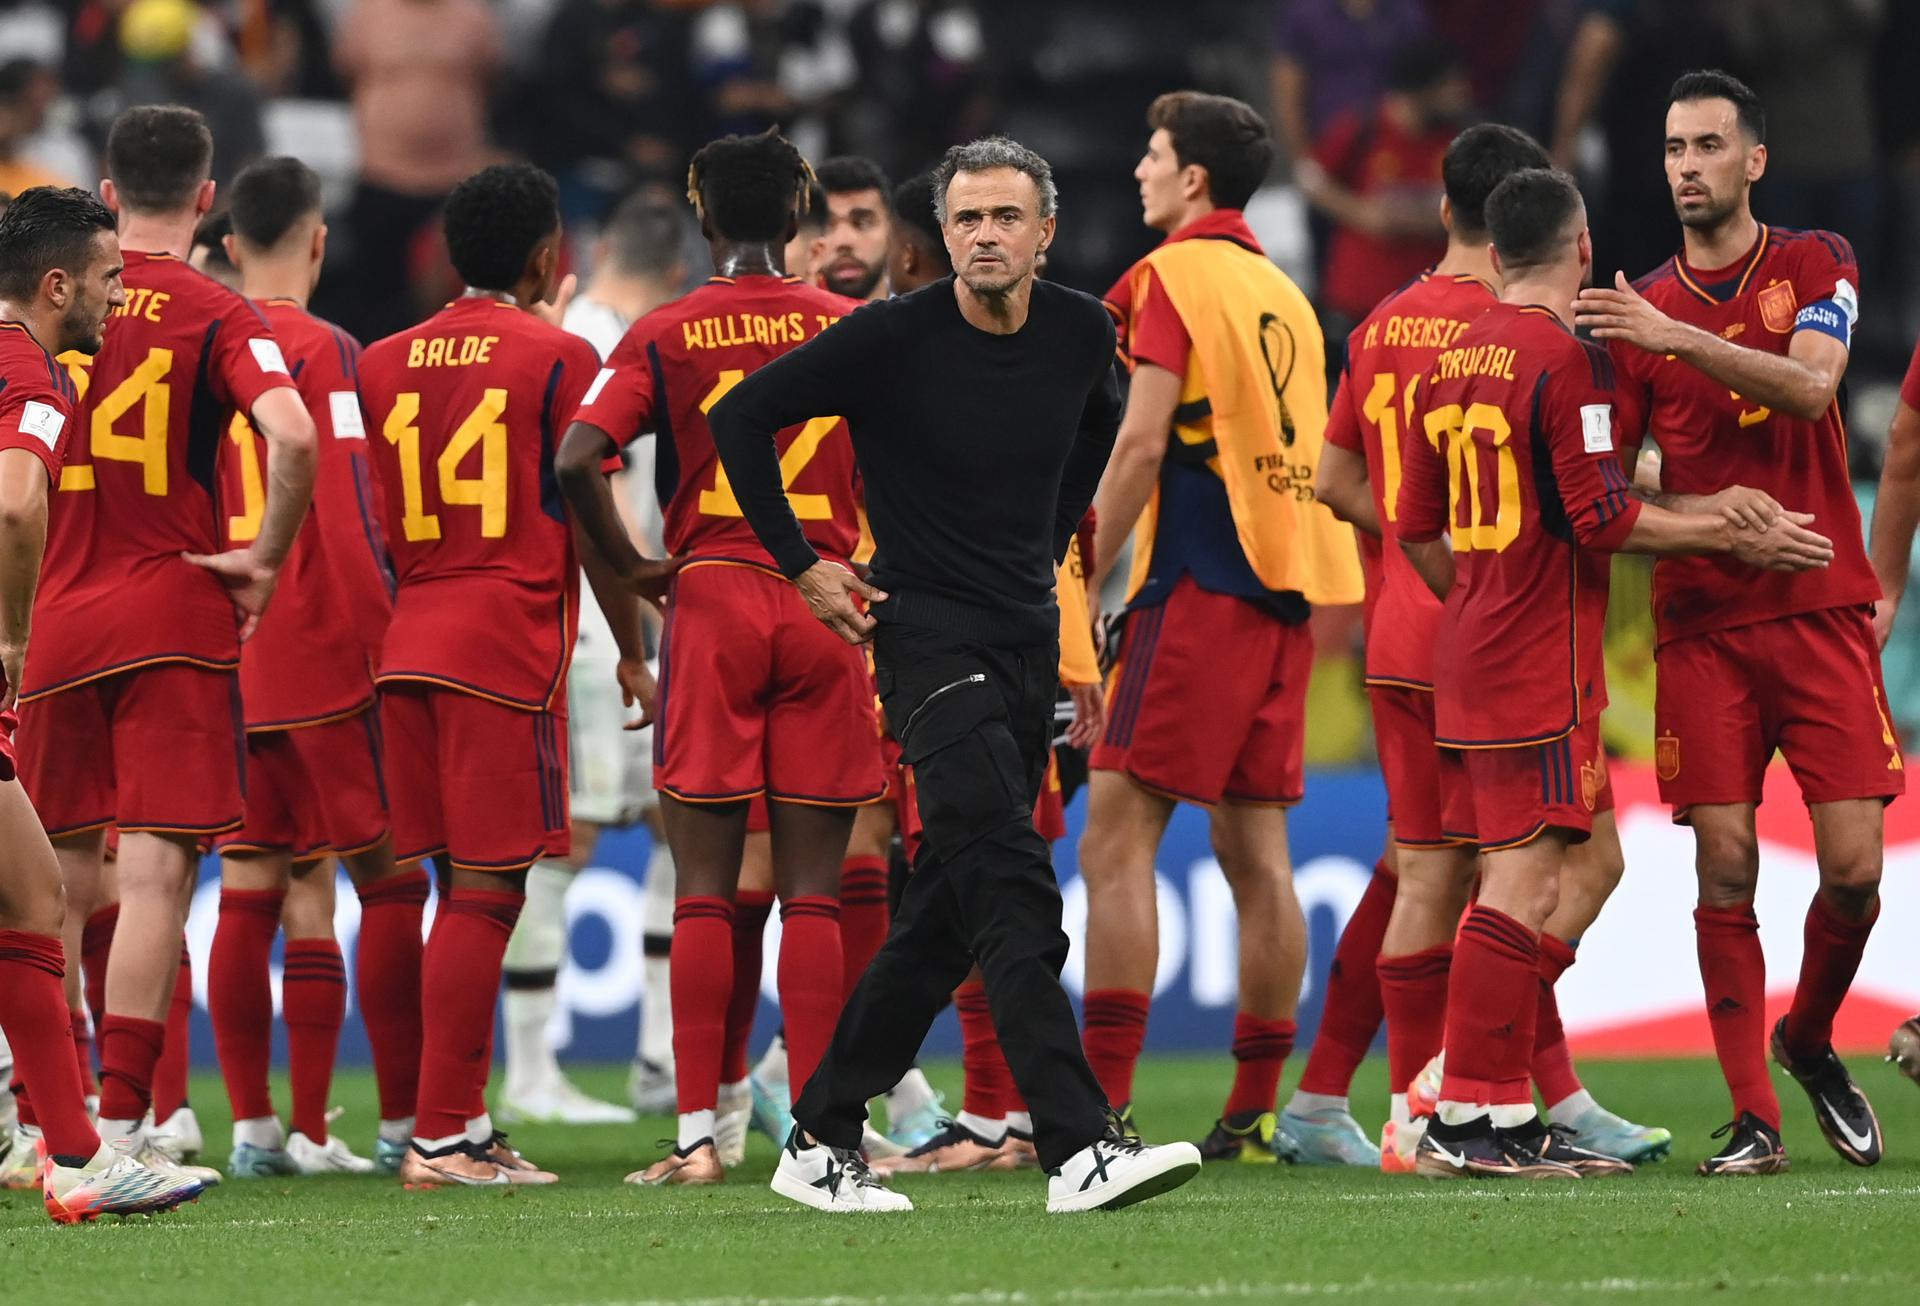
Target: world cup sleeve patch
[[1596, 427], [344, 407], [43, 422]]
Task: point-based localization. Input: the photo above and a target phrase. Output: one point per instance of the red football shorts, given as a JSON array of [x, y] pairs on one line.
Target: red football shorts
[[480, 781], [160, 748], [1418, 791], [1050, 810], [756, 696], [1508, 796], [1807, 685], [313, 790], [759, 819], [1180, 723]]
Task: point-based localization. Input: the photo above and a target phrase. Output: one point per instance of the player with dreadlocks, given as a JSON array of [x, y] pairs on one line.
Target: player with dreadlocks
[[770, 702]]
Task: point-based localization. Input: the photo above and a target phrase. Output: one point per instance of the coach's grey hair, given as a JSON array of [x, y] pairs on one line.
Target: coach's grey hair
[[993, 152]]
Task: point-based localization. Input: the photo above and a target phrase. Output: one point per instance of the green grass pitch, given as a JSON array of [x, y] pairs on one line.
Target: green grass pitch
[[1824, 1234]]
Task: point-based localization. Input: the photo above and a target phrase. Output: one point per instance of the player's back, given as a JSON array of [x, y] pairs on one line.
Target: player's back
[[1388, 358], [1516, 416], [1711, 437], [138, 487], [464, 413], [696, 349], [309, 657]]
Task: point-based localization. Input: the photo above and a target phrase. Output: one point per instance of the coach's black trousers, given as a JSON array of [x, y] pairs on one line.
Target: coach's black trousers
[[975, 723]]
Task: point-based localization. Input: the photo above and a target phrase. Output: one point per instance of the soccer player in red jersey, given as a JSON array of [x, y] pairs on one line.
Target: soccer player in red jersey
[[60, 269], [1730, 357], [464, 413], [1388, 355], [755, 697], [130, 705], [1228, 388], [314, 789], [1516, 463]]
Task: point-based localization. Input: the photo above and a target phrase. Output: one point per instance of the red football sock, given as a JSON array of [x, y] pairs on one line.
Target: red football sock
[[33, 1012], [460, 988], [1260, 1050], [1413, 990], [129, 1047], [751, 907], [386, 984], [313, 999], [1492, 1000], [700, 972], [1733, 973], [1553, 1071], [1116, 1026], [170, 1072], [810, 989], [82, 1030], [1827, 966], [96, 941], [988, 1083], [240, 996], [23, 1100], [1350, 1016], [863, 916]]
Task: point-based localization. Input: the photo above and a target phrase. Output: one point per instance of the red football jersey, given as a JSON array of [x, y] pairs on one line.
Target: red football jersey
[[311, 658], [37, 399], [464, 412], [138, 489], [1710, 437], [1387, 356], [674, 365], [1519, 467]]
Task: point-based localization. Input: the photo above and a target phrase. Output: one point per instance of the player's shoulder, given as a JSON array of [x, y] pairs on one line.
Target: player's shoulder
[[1804, 246], [1660, 282], [189, 285], [28, 372]]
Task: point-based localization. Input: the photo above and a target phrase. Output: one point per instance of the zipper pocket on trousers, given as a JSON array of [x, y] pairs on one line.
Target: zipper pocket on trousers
[[977, 678]]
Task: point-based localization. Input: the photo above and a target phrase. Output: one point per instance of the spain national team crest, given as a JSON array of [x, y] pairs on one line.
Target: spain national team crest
[[1777, 307], [1593, 778], [1666, 756]]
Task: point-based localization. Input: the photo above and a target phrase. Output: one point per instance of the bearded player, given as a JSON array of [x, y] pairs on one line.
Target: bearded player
[[755, 697], [1513, 459], [314, 785], [465, 411], [130, 714], [1388, 356], [60, 269], [1731, 356], [850, 257]]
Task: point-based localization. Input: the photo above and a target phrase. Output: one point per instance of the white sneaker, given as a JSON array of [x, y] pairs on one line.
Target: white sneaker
[[835, 1179], [650, 1088], [876, 1146], [1117, 1171], [20, 1158], [330, 1157], [112, 1183], [560, 1103], [179, 1136], [140, 1145], [732, 1115]]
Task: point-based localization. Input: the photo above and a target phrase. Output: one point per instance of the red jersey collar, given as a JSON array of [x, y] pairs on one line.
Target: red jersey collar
[[1221, 224], [1718, 285]]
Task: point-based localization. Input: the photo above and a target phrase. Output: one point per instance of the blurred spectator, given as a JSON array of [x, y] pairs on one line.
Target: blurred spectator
[[1376, 173], [32, 29], [1330, 60], [26, 89], [177, 53], [738, 51], [1624, 58], [283, 46], [852, 256], [639, 263], [419, 72], [921, 84], [614, 99]]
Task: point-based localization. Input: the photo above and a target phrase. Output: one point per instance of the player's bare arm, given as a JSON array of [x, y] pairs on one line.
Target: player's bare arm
[[23, 539], [1896, 514], [1741, 505], [1433, 561], [1341, 484], [577, 465], [621, 608], [1134, 468], [1802, 382], [292, 453], [1785, 545]]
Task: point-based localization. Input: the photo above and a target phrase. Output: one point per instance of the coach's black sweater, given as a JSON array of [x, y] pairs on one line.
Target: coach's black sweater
[[979, 453]]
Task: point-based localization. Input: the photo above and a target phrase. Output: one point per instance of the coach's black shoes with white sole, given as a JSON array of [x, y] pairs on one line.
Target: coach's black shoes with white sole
[[1117, 1171], [1753, 1147], [1846, 1117], [835, 1179]]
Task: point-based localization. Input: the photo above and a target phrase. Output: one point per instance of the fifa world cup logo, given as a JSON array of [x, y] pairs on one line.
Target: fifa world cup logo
[[1277, 348]]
